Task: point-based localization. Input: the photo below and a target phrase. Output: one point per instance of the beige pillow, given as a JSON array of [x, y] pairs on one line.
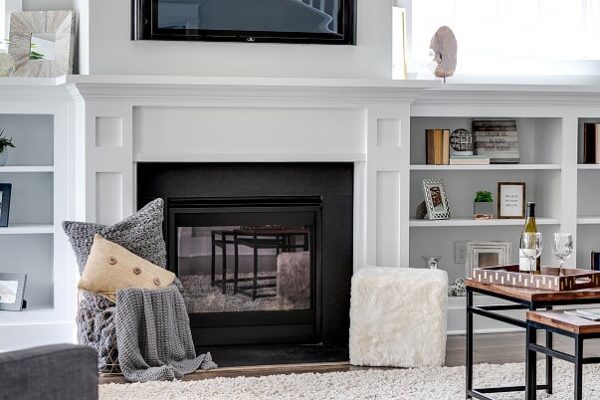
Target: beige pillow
[[111, 267]]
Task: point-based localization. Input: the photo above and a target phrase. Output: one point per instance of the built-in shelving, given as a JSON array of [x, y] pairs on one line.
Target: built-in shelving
[[28, 229], [588, 220], [490, 167], [466, 222], [26, 169], [588, 166]]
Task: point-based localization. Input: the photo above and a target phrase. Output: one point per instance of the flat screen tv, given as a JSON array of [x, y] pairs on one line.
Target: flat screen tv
[[300, 21]]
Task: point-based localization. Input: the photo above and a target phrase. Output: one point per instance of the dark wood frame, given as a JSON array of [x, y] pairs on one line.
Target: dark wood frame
[[499, 198], [18, 304], [6, 189]]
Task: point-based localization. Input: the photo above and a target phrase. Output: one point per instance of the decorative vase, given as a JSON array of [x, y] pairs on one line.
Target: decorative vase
[[7, 65], [483, 210], [432, 261], [3, 158]]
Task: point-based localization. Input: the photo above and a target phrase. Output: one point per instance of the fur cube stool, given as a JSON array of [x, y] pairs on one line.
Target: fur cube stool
[[398, 317]]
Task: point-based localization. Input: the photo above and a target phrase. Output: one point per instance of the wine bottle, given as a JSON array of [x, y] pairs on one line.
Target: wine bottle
[[530, 227]]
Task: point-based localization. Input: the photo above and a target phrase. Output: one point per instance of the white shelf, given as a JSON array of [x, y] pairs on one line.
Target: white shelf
[[26, 168], [28, 229], [588, 220], [588, 166], [421, 223], [489, 167], [28, 316]]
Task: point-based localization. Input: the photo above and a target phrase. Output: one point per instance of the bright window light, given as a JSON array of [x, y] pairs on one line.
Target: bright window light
[[3, 25], [511, 36]]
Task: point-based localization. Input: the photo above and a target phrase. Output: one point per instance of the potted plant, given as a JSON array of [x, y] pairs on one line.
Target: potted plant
[[5, 143], [484, 205]]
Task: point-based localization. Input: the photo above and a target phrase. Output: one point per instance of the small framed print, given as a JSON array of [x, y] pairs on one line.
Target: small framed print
[[435, 199], [5, 189], [486, 254], [511, 200], [12, 290]]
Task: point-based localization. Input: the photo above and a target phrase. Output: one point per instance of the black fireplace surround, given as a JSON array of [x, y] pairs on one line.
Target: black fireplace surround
[[317, 196]]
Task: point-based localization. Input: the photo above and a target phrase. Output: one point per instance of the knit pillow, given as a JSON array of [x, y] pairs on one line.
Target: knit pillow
[[141, 233], [111, 267]]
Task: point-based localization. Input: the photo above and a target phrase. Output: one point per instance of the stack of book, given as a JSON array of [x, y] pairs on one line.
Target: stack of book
[[438, 150], [498, 140], [591, 143]]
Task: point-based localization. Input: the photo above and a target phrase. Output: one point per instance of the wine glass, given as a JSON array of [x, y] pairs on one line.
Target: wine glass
[[562, 248], [531, 247]]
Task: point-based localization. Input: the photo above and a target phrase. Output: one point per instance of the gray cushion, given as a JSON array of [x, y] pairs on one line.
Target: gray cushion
[[140, 233]]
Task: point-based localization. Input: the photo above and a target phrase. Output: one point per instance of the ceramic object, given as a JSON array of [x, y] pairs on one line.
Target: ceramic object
[[3, 158], [483, 210], [445, 49], [432, 261], [7, 65]]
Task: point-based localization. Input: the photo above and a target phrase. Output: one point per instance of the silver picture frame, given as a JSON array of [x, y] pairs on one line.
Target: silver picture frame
[[12, 291], [55, 30], [436, 200], [486, 254]]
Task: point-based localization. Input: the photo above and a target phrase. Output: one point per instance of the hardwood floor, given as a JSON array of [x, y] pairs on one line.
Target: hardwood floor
[[489, 348]]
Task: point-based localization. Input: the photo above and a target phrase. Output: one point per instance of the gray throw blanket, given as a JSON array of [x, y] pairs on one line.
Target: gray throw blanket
[[153, 336]]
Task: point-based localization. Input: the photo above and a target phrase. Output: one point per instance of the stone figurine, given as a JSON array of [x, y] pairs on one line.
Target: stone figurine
[[445, 48]]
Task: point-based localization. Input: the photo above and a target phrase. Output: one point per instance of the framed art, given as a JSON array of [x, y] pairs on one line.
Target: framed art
[[486, 254], [42, 43], [435, 199], [12, 291], [5, 189], [511, 200]]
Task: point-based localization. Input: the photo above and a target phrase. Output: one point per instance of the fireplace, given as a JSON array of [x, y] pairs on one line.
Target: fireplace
[[263, 251]]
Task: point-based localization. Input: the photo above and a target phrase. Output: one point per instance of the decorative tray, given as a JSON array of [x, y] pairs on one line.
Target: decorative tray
[[549, 278]]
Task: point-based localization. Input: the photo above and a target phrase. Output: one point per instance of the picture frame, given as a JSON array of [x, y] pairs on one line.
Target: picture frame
[[481, 254], [5, 191], [436, 200], [12, 291], [42, 43], [511, 200]]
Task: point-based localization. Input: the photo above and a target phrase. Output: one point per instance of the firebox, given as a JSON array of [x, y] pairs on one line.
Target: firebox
[[250, 267], [264, 252]]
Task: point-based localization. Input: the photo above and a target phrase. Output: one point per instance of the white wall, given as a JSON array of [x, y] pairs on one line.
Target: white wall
[[44, 5], [112, 52]]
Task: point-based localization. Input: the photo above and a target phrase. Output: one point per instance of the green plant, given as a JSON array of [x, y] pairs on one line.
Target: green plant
[[4, 141], [483, 196]]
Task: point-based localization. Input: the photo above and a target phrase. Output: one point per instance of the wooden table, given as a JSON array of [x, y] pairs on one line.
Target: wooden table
[[580, 329], [519, 299]]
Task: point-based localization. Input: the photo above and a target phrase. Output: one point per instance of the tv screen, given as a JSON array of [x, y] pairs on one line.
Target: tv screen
[[303, 21]]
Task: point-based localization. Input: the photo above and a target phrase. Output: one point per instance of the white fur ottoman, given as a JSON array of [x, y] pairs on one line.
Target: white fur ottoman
[[398, 317]]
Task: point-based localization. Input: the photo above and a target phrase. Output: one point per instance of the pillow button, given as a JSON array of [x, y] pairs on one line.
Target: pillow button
[[156, 281], [137, 271], [112, 260]]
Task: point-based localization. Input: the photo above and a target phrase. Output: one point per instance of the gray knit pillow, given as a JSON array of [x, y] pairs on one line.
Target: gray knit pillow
[[140, 233]]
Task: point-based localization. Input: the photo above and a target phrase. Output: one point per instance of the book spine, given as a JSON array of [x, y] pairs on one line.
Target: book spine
[[429, 138], [589, 143], [597, 143], [446, 147]]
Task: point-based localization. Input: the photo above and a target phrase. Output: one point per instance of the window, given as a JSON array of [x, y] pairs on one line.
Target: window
[[3, 25], [551, 37]]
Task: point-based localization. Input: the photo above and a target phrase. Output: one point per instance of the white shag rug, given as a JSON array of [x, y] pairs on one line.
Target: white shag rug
[[437, 383]]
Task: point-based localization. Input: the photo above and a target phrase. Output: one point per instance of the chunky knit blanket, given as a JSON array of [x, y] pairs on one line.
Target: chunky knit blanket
[[154, 337]]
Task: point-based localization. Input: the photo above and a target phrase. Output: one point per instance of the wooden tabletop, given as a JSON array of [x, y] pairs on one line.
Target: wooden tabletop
[[536, 295], [566, 322]]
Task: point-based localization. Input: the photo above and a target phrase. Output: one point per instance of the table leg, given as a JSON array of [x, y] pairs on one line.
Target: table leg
[[237, 264], [549, 363], [469, 355], [224, 281], [530, 364], [255, 280], [212, 264], [578, 367]]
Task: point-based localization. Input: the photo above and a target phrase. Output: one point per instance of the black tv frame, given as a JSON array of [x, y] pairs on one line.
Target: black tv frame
[[143, 23]]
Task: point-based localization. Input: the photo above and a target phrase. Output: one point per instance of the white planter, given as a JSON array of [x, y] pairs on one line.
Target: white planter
[[3, 158]]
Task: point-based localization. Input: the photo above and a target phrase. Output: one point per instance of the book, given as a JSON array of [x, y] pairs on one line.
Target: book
[[589, 143], [437, 146], [595, 262], [469, 160], [597, 140], [587, 313]]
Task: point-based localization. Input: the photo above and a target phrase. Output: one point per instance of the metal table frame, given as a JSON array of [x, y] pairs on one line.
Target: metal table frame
[[491, 311], [577, 359]]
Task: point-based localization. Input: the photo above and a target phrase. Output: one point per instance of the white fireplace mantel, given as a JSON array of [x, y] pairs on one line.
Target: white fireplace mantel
[[122, 120]]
